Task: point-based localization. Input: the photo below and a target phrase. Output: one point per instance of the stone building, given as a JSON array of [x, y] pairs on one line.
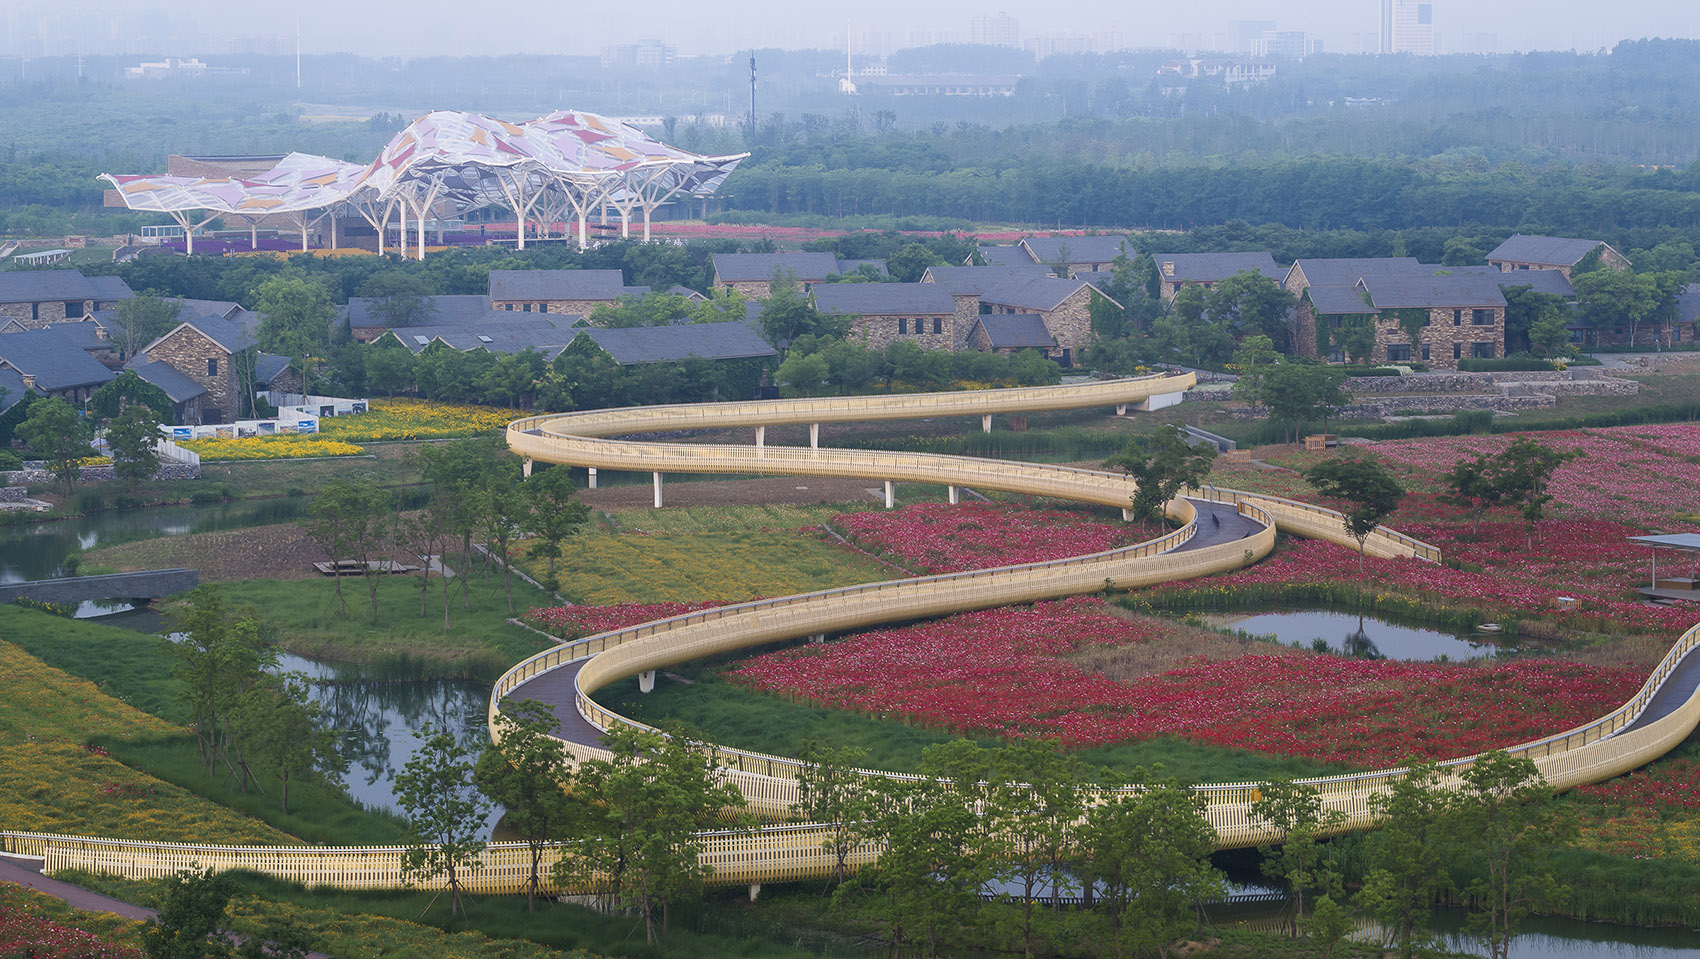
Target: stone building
[[752, 274], [57, 360], [1077, 253], [1063, 305], [1552, 253], [1436, 319], [184, 393], [1008, 333], [217, 354], [574, 292], [367, 320], [36, 298], [1175, 270], [883, 313]]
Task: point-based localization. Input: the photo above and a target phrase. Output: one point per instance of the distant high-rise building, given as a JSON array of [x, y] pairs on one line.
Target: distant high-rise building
[[643, 55], [1410, 24], [1248, 32], [1291, 44], [1002, 30]]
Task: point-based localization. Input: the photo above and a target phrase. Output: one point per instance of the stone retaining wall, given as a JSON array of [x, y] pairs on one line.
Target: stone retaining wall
[[14, 494], [36, 474], [1437, 403], [1564, 380]]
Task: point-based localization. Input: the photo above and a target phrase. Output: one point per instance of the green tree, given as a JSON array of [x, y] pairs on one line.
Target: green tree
[[1507, 826], [127, 389], [1370, 493], [1473, 486], [1613, 298], [187, 926], [555, 514], [1297, 393], [295, 317], [1162, 464], [641, 842], [1296, 815], [788, 313], [1527, 311], [1329, 923], [220, 654], [132, 440], [1254, 358], [1460, 251], [802, 375], [351, 521], [56, 433], [390, 368], [1038, 800], [445, 814], [1410, 853], [1523, 473], [506, 514], [1148, 851], [399, 299], [527, 773], [1249, 303], [830, 791], [282, 728], [908, 263], [142, 319]]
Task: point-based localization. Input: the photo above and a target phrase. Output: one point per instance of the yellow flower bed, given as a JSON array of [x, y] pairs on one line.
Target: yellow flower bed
[[409, 419], [51, 782], [287, 447]]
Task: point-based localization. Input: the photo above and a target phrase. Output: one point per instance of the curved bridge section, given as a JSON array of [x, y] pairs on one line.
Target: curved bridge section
[[1237, 528]]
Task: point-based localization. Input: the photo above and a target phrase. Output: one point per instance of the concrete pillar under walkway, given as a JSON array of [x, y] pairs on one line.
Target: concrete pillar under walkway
[[592, 471], [1127, 515], [527, 467], [814, 436], [986, 423], [815, 639], [755, 890], [657, 490], [955, 494], [646, 681], [761, 437], [890, 494], [1121, 409]]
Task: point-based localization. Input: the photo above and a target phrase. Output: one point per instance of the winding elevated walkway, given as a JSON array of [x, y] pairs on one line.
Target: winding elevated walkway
[[1222, 530]]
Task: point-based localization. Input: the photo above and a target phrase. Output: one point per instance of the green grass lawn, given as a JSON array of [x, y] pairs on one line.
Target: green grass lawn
[[734, 716], [125, 664], [479, 642]]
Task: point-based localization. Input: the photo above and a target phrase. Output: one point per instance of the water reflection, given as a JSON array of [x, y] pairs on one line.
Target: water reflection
[[1359, 636]]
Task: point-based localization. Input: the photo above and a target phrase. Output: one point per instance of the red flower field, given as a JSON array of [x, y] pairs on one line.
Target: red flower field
[[998, 672], [937, 538], [574, 621]]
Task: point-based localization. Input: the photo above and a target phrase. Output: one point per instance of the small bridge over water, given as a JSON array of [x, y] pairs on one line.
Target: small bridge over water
[[147, 584]]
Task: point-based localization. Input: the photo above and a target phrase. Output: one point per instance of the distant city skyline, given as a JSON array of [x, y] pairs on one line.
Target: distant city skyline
[[437, 28]]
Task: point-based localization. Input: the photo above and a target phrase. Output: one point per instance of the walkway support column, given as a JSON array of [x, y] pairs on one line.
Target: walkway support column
[[814, 436], [526, 468], [761, 437], [986, 423], [1127, 515], [646, 681], [657, 490], [755, 890], [592, 471], [890, 490], [1121, 409], [955, 493]]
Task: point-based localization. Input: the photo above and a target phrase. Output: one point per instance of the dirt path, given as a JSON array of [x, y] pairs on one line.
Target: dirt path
[[75, 896]]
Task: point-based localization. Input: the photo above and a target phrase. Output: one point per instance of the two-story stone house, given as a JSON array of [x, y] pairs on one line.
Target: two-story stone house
[[1064, 305], [752, 274], [1175, 270], [574, 292], [1559, 253], [36, 298], [217, 354], [1437, 319], [883, 313]]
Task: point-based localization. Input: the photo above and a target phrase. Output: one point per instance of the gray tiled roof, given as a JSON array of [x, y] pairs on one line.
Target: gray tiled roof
[[110, 289], [1444, 291], [760, 267], [41, 286], [556, 285], [219, 308], [661, 344], [1211, 267], [1688, 304], [55, 356], [232, 334], [11, 388], [1005, 256], [1024, 290], [1549, 250], [1338, 301], [178, 387], [445, 311], [684, 291], [1016, 331], [534, 331], [1349, 270], [1541, 281], [1081, 249], [268, 367], [884, 299]]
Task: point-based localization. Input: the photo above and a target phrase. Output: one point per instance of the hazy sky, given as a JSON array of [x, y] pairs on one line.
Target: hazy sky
[[436, 27]]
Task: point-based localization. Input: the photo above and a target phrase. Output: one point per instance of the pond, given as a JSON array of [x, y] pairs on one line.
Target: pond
[[376, 721], [38, 550], [1362, 636]]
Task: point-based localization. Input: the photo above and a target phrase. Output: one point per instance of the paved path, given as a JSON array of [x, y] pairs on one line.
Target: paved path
[[77, 896], [1217, 523], [1676, 691]]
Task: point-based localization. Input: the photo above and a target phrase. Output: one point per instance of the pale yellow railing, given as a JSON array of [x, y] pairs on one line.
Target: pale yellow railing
[[1588, 753]]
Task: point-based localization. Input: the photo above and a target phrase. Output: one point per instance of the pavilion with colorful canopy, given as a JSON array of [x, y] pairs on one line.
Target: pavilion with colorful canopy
[[554, 168]]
